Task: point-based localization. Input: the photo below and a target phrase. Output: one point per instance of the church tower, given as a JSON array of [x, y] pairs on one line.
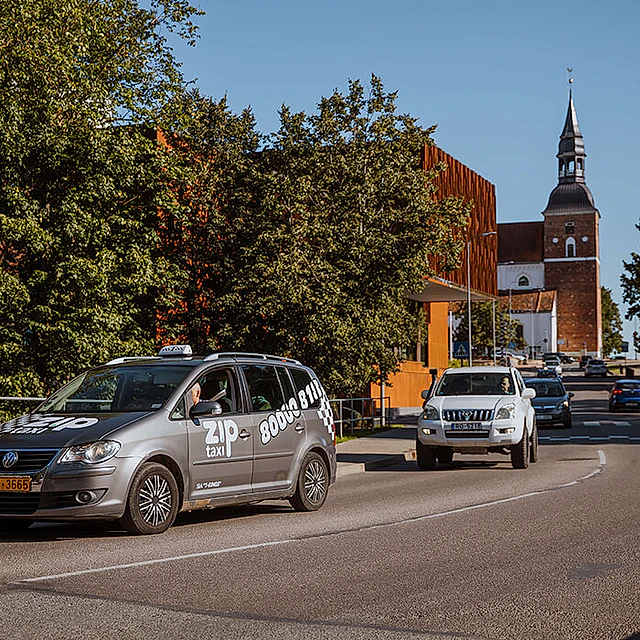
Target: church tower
[[572, 246]]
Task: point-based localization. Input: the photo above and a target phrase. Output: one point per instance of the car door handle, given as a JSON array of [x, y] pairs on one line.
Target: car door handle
[[244, 434], [299, 428]]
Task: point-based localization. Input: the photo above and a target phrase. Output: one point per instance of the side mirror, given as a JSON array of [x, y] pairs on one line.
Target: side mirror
[[571, 394], [205, 408], [529, 393], [424, 394]]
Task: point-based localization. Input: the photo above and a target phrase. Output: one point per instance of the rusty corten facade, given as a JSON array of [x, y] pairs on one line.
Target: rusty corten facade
[[458, 180]]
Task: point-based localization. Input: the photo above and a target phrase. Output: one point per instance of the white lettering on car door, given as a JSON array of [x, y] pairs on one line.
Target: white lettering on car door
[[221, 434]]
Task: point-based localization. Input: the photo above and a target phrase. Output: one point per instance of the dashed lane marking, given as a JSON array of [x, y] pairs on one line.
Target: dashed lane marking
[[578, 438]]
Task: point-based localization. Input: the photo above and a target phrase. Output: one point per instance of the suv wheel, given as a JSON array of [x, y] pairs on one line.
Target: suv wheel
[[425, 456], [520, 452], [152, 504], [533, 447], [444, 455], [312, 484]]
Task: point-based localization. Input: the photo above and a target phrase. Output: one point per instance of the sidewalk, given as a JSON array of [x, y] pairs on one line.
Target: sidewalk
[[375, 452]]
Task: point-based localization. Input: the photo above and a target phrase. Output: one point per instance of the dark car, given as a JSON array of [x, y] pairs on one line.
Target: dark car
[[547, 373], [552, 403], [625, 394]]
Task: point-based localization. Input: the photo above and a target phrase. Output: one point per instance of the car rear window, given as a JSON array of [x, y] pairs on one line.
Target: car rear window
[[628, 385]]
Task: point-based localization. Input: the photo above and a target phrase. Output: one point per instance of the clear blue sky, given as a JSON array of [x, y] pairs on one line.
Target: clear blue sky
[[492, 76]]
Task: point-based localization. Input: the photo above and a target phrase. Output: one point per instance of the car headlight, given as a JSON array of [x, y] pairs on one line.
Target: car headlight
[[506, 412], [563, 405], [430, 413], [92, 453]]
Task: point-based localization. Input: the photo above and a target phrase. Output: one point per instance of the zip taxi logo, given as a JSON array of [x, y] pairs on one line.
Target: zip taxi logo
[[221, 434]]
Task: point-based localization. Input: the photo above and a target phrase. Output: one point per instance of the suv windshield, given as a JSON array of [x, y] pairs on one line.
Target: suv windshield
[[117, 389], [546, 389], [476, 384]]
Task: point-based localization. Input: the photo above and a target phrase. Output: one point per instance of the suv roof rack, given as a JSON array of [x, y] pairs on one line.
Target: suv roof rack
[[131, 358], [239, 354]]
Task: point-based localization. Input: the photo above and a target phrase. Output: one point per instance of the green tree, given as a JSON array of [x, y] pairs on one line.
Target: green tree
[[81, 182], [611, 324], [320, 234], [482, 327]]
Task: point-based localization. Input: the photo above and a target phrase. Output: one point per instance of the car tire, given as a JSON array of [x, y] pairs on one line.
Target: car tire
[[152, 504], [520, 452], [312, 484], [425, 456], [444, 455], [533, 446]]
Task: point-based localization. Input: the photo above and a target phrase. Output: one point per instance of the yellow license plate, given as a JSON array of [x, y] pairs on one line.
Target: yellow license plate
[[15, 484]]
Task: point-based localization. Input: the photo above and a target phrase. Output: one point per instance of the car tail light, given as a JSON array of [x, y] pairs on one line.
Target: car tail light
[[615, 392]]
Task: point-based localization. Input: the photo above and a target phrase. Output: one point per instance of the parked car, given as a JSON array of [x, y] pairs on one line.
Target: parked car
[[138, 440], [477, 410], [564, 358], [552, 403], [595, 368], [583, 361], [625, 394]]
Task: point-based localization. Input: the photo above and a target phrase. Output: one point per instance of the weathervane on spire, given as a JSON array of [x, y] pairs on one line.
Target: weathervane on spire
[[569, 72]]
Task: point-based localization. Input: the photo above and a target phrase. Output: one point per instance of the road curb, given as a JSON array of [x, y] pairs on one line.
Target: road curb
[[350, 468]]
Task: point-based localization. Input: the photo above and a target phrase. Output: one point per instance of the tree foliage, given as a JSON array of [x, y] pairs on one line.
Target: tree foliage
[[482, 327], [611, 324], [318, 237], [79, 255]]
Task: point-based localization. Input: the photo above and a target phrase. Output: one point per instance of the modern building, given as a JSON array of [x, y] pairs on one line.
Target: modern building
[[434, 351], [558, 256]]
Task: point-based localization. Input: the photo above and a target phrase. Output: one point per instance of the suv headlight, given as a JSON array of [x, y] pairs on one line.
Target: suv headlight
[[430, 413], [92, 453], [506, 412], [563, 405]]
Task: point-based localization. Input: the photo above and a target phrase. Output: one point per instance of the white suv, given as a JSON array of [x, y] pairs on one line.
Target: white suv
[[477, 410]]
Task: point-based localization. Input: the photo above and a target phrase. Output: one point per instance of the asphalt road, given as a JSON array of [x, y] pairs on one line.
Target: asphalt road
[[473, 550]]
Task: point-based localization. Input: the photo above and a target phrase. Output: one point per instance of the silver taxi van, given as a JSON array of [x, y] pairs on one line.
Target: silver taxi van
[[140, 439]]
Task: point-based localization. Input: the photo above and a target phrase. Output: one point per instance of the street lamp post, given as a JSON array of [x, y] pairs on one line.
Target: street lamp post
[[480, 235]]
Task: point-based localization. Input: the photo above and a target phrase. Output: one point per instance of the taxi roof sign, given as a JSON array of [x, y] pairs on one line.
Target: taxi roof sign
[[176, 350]]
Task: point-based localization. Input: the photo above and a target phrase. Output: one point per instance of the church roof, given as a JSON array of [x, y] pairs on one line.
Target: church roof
[[521, 242], [530, 301], [572, 197]]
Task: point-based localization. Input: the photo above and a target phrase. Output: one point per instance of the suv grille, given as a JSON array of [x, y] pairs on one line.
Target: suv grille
[[467, 415], [29, 460]]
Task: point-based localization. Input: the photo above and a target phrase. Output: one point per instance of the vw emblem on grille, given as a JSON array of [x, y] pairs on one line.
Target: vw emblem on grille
[[9, 459]]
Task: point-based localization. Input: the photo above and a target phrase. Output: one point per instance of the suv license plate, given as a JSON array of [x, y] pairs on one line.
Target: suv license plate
[[467, 426], [15, 484]]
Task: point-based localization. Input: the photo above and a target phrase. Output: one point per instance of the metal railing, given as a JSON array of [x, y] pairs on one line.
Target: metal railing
[[358, 414]]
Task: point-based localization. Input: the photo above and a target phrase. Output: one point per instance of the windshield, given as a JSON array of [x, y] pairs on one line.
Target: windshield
[[117, 389], [476, 384], [546, 389]]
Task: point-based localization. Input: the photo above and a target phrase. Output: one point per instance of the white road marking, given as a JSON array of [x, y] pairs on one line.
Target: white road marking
[[203, 554]]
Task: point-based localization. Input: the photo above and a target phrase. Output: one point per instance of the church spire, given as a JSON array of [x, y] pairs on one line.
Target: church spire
[[571, 152]]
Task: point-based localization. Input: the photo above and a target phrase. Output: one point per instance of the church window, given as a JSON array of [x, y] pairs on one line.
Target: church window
[[523, 281], [570, 248], [570, 167], [569, 228], [579, 161]]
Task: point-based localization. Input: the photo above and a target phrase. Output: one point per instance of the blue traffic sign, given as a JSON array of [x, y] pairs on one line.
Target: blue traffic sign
[[460, 349]]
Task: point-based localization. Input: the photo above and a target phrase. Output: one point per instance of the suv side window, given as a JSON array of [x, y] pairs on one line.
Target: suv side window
[[305, 386], [217, 380], [519, 381], [264, 387], [211, 384]]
